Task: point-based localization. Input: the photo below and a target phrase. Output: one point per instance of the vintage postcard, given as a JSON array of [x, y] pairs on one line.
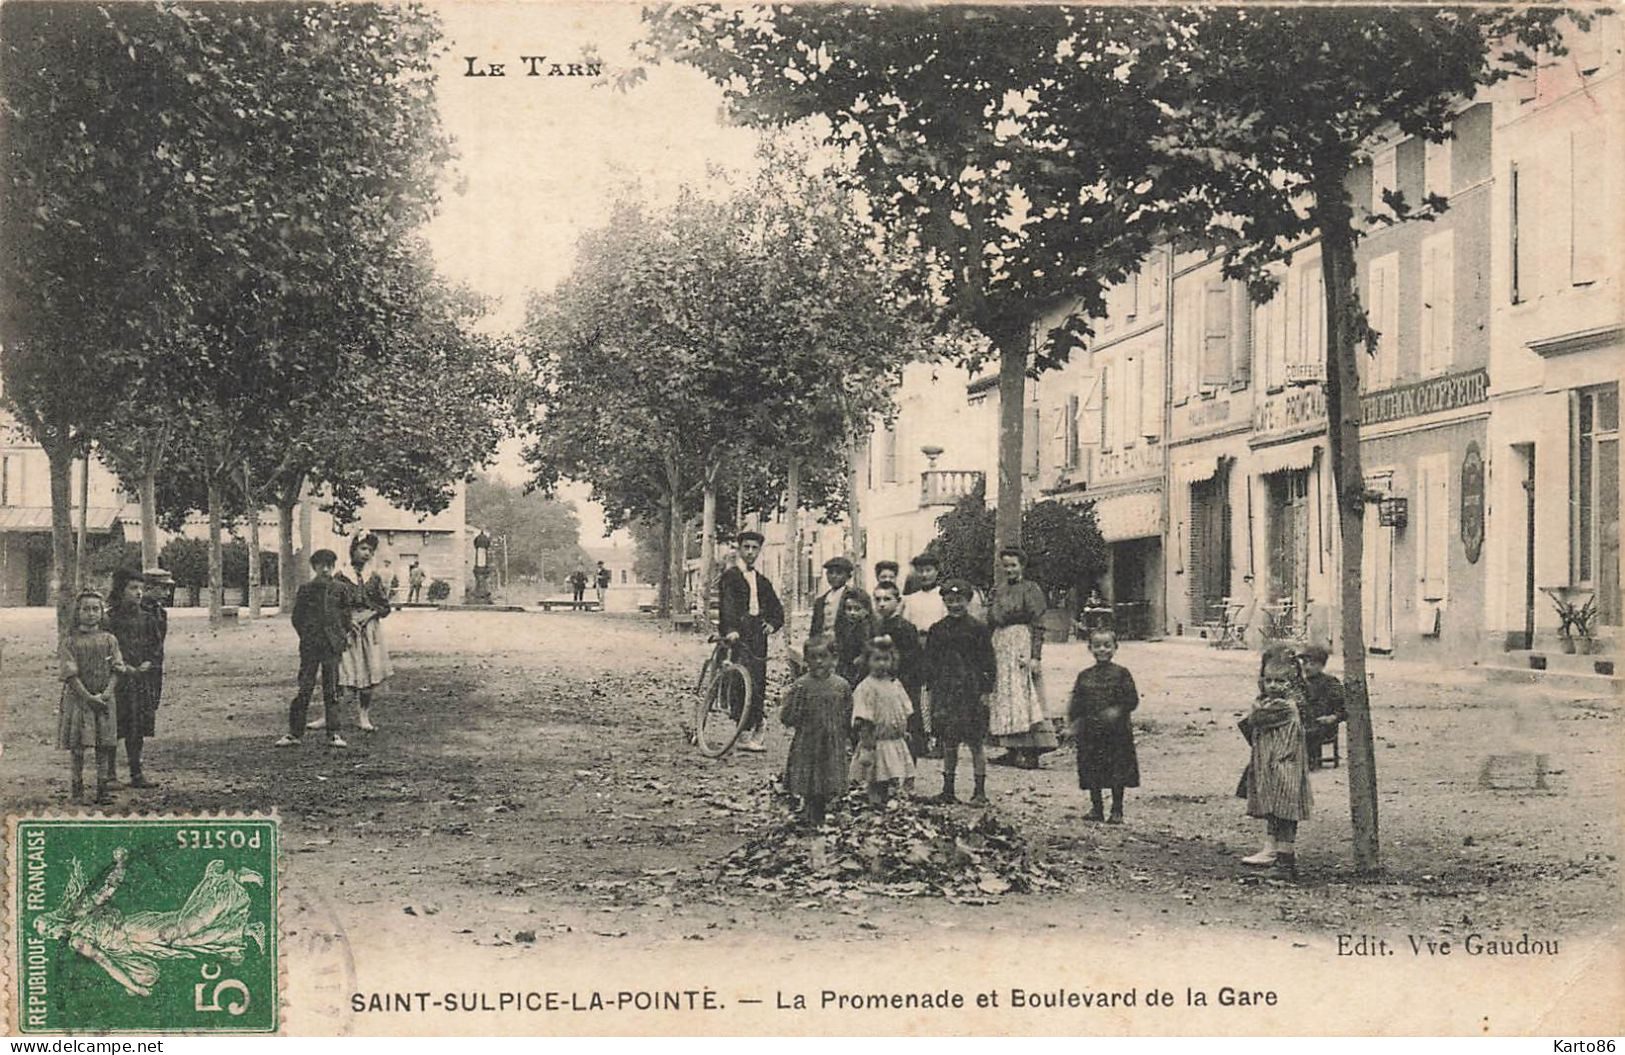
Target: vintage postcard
[[545, 518]]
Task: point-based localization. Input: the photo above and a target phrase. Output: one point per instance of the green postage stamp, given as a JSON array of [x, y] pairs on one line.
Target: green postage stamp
[[143, 925]]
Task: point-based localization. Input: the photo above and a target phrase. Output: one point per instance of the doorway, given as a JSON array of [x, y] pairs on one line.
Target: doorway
[[1526, 453]]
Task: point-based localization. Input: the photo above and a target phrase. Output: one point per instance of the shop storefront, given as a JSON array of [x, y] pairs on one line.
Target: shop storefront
[[1291, 528]]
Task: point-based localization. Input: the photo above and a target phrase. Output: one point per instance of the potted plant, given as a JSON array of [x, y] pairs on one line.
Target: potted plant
[[1576, 621]]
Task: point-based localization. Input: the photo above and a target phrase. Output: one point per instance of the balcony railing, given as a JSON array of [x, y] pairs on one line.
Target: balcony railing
[[944, 487]]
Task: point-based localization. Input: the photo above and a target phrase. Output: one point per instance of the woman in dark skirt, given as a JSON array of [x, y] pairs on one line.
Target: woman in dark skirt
[[1103, 698], [140, 637]]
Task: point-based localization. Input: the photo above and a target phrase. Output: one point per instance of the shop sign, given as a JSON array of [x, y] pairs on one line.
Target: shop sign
[[1425, 397], [1288, 413], [1472, 503], [1126, 462]]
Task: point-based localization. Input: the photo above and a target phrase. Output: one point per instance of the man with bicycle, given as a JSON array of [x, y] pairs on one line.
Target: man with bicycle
[[749, 612]]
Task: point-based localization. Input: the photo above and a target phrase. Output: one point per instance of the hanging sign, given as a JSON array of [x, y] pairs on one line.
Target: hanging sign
[[1472, 503]]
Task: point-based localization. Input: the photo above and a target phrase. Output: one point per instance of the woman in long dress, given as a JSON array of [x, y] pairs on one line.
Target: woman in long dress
[[365, 663], [1016, 717]]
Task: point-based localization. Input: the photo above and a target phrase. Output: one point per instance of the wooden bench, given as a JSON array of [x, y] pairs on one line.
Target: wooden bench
[[577, 606]]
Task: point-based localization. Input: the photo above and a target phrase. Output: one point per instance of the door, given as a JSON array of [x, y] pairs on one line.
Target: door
[[1210, 547], [1377, 573], [39, 571]]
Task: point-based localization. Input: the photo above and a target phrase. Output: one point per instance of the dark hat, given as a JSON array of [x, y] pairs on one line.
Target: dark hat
[[839, 562], [885, 565], [747, 536], [323, 556], [158, 577], [926, 560], [957, 588]]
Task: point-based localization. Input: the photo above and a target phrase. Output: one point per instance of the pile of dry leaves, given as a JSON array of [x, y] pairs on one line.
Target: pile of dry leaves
[[907, 849]]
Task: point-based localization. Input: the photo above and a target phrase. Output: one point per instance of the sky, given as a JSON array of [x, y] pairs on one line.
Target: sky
[[542, 157]]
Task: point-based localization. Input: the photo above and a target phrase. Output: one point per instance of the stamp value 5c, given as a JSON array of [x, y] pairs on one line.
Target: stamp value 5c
[[144, 925]]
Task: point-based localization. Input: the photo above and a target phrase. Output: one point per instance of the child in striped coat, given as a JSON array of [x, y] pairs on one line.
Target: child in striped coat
[[1277, 780]]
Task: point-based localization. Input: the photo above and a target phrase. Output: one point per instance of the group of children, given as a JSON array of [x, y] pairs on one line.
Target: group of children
[[112, 662], [857, 715], [112, 669]]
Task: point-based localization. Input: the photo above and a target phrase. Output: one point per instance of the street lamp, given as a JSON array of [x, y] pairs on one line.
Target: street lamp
[[482, 569]]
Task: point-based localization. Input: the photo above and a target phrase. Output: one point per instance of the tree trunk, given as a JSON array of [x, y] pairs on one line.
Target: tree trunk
[[61, 462], [149, 518], [288, 578], [854, 509], [84, 525], [792, 501], [663, 607], [708, 537], [1343, 332], [217, 588], [1012, 345], [677, 555], [251, 504]]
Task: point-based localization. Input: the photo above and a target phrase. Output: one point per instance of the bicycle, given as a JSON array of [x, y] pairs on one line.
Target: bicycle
[[722, 701]]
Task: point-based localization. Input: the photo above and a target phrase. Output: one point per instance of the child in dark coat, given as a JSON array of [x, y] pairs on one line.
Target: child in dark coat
[[852, 635], [1323, 705], [959, 668], [890, 622], [819, 708], [1103, 698]]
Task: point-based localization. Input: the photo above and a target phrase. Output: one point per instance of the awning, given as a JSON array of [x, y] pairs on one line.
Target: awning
[[1197, 470], [1282, 457], [1122, 517], [33, 519]]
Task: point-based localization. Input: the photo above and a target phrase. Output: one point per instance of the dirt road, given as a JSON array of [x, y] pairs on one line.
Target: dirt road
[[530, 783]]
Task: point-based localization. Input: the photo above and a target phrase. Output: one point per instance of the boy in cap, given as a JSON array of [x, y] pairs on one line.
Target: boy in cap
[[748, 611], [1323, 704], [959, 667], [828, 610], [321, 618]]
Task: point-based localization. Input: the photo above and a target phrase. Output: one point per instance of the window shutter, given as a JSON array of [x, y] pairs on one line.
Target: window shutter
[[1433, 518], [1107, 433], [1438, 302], [1070, 431], [1151, 396], [1059, 448], [1436, 176], [1090, 429], [1241, 349], [1588, 252], [1215, 335], [1032, 441]]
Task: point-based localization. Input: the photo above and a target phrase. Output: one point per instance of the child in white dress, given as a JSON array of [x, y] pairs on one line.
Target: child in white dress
[[880, 711]]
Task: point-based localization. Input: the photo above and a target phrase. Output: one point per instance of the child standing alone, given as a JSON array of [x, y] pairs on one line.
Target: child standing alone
[[90, 664], [880, 714], [959, 669], [819, 708], [1277, 778], [1102, 699]]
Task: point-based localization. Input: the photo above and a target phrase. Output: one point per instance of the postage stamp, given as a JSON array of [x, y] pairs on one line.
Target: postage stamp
[[143, 924]]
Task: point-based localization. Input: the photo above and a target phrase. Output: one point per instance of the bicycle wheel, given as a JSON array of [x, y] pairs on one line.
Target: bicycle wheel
[[723, 711]]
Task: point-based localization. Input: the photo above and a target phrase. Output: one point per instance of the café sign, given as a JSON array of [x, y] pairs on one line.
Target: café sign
[[1425, 397], [1290, 412]]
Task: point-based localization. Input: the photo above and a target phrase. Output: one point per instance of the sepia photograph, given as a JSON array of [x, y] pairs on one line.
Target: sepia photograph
[[541, 518]]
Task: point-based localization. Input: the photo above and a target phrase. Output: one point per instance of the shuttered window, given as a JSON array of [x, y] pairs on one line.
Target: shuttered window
[[1070, 431], [1215, 336], [1032, 445], [1438, 302], [1382, 313], [1091, 417]]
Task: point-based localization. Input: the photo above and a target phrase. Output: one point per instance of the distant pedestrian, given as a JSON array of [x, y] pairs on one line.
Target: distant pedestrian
[[818, 707], [321, 618], [1103, 698], [414, 583], [601, 581], [880, 713], [959, 669], [141, 644], [1277, 777], [1324, 706], [90, 664], [578, 586]]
